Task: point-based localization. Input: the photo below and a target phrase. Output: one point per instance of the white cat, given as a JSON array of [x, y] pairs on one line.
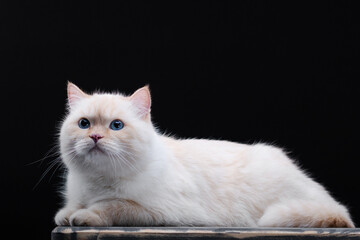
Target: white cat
[[121, 171]]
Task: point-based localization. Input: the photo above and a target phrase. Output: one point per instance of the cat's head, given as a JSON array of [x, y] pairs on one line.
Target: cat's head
[[104, 132]]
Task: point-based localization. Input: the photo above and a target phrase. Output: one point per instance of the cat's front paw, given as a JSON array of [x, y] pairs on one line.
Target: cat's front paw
[[85, 217], [62, 217]]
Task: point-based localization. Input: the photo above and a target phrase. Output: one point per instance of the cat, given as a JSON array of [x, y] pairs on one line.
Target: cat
[[122, 172]]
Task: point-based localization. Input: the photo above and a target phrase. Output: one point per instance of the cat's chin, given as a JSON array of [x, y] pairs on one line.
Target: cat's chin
[[96, 150]]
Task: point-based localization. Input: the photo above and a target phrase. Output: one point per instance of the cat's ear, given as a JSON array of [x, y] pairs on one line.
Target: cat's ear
[[74, 94], [141, 100]]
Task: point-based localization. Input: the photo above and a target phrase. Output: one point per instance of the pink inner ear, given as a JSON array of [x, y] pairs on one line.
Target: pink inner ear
[[73, 99], [142, 101], [74, 94]]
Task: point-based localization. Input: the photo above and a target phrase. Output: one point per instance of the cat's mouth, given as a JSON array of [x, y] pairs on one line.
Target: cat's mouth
[[96, 149]]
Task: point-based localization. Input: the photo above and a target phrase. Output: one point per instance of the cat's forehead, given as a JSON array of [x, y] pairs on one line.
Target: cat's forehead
[[105, 106]]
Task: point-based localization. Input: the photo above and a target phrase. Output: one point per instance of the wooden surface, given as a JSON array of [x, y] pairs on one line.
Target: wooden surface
[[112, 233]]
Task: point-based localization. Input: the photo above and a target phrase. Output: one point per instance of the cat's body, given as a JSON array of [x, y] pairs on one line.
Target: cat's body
[[135, 176]]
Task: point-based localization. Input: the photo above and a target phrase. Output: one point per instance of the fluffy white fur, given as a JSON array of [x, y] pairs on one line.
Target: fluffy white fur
[[136, 176]]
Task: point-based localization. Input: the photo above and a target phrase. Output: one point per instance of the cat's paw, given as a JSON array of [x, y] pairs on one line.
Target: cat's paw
[[62, 217], [85, 217]]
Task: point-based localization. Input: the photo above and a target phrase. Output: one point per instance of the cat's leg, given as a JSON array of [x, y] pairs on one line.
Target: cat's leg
[[63, 215], [306, 214], [114, 212]]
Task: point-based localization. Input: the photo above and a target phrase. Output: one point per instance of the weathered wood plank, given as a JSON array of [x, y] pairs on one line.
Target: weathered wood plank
[[194, 233]]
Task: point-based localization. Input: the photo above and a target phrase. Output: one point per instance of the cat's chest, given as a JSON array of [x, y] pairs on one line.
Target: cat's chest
[[89, 189], [102, 189]]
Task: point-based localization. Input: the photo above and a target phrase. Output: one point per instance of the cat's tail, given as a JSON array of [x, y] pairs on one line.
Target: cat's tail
[[300, 213]]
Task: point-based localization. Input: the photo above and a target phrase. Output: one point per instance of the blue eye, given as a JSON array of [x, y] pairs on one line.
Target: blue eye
[[84, 123], [116, 125]]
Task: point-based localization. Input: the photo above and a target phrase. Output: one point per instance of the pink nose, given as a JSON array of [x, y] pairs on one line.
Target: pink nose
[[96, 137]]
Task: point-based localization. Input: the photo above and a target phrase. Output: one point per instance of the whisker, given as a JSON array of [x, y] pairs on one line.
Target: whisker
[[48, 154], [114, 153], [126, 162], [53, 163], [113, 162], [60, 164]]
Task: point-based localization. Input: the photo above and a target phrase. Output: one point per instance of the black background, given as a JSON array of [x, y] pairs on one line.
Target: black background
[[281, 72]]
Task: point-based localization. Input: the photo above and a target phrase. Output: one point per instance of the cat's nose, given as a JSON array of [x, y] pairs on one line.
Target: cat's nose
[[96, 137]]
